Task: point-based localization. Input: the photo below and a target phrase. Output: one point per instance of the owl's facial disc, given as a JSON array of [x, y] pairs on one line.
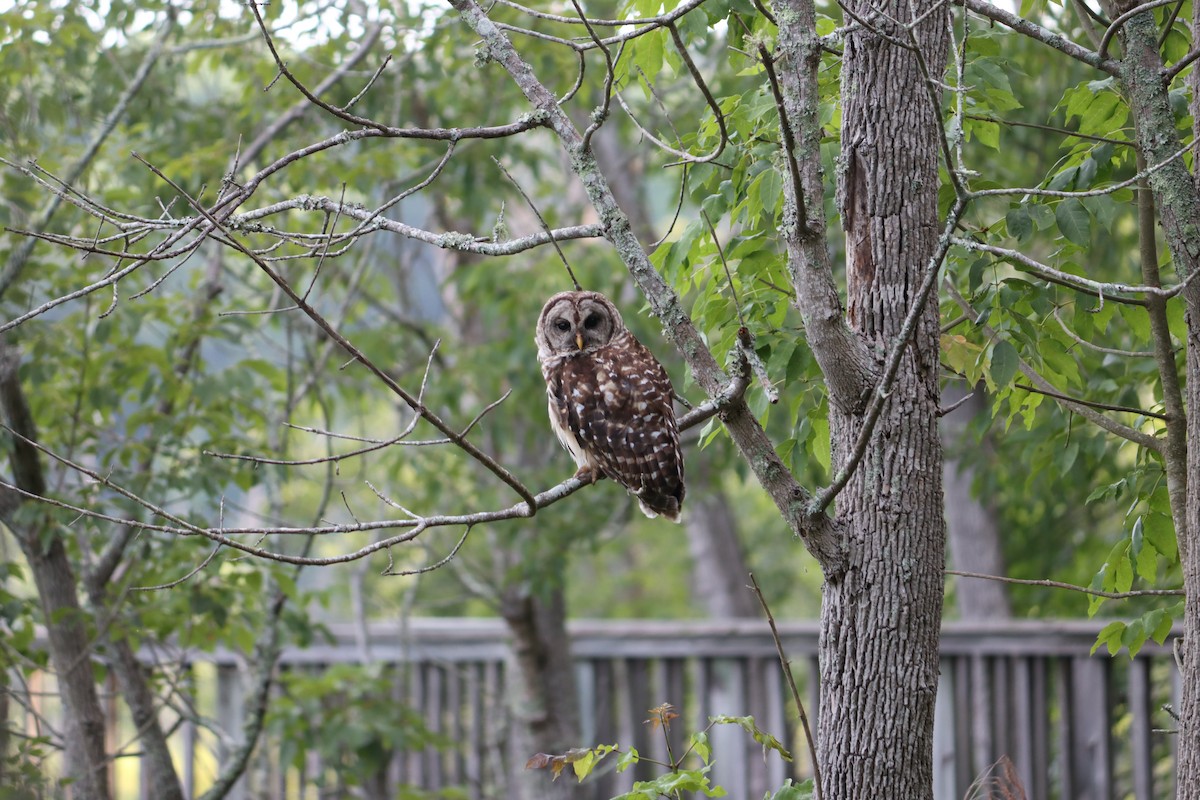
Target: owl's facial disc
[[575, 323]]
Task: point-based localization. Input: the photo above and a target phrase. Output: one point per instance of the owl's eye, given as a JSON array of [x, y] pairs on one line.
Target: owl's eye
[[592, 321], [563, 325]]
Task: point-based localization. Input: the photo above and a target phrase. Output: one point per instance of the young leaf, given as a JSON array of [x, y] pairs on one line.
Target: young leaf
[[793, 791], [1110, 635], [747, 724]]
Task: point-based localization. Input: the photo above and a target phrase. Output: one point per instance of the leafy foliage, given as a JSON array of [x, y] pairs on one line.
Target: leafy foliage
[[676, 779]]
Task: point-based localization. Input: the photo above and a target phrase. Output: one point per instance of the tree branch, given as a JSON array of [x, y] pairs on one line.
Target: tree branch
[[420, 408], [1048, 273], [20, 255], [1070, 586], [730, 397], [845, 360], [1043, 35]]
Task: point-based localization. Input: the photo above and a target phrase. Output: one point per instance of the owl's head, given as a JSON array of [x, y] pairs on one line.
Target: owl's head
[[576, 322]]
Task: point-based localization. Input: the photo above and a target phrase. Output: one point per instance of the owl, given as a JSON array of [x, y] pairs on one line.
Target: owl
[[610, 401]]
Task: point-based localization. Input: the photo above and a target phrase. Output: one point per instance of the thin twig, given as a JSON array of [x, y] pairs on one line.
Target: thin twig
[[737, 306], [1070, 586], [1091, 403], [542, 220], [818, 793], [789, 143], [698, 79]]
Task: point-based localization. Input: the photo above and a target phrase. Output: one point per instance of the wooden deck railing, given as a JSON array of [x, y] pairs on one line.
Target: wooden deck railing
[[1076, 727]]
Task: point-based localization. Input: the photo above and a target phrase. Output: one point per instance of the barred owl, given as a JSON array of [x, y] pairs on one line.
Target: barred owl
[[610, 401]]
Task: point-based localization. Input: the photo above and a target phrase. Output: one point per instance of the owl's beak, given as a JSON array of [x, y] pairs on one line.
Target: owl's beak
[[579, 340]]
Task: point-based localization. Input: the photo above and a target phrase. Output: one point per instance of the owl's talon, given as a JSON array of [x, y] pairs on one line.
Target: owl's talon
[[586, 475]]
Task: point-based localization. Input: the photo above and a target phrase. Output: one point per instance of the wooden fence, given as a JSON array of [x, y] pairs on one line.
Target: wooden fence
[[1075, 726]]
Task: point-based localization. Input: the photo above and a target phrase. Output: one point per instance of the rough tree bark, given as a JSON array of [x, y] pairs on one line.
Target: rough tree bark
[[1177, 198], [880, 619]]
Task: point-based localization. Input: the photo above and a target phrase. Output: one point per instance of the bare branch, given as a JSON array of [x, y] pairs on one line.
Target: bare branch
[[1070, 586], [698, 79], [600, 114], [413, 525], [533, 207], [1112, 351], [1043, 35], [1091, 192], [1107, 290], [1091, 403], [818, 792], [20, 255]]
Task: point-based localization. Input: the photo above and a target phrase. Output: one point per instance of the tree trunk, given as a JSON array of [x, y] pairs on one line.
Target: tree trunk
[[66, 631], [542, 691], [972, 532], [161, 780], [881, 617], [87, 761], [1177, 198]]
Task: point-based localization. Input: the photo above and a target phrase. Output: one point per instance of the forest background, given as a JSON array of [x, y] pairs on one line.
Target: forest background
[[195, 392]]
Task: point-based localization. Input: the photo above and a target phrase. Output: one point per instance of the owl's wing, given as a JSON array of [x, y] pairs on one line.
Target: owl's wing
[[620, 408]]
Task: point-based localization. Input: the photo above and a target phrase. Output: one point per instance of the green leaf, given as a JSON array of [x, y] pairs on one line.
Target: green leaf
[[1074, 221], [819, 443], [1162, 626], [1138, 321], [699, 743], [793, 791], [1134, 637], [988, 133], [1019, 222], [1004, 363], [1110, 635], [1159, 533], [1176, 46]]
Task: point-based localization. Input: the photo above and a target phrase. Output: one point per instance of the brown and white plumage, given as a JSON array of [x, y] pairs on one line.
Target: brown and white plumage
[[610, 400]]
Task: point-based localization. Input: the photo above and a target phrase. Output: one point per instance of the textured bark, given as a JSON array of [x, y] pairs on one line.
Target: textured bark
[[972, 533], [544, 698], [881, 617], [1177, 199]]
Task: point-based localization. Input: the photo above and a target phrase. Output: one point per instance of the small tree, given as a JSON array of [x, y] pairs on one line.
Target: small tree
[[915, 215]]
